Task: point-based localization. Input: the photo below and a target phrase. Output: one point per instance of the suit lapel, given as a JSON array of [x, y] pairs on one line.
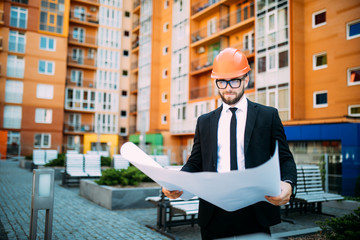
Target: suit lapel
[[214, 122], [250, 123]]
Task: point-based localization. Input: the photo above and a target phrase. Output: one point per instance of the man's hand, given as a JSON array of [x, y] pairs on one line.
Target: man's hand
[[284, 196], [172, 194]]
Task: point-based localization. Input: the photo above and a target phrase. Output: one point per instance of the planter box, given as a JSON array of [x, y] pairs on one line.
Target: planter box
[[117, 198], [23, 163]]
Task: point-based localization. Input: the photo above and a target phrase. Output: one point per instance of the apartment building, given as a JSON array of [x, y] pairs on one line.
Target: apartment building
[[324, 85], [97, 85], [32, 73], [151, 73]]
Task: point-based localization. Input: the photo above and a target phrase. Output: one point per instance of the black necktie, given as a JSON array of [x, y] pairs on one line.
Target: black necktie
[[233, 151]]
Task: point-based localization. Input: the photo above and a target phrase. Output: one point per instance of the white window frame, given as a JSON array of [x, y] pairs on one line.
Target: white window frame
[[314, 61], [349, 110], [14, 91], [47, 48], [47, 70], [18, 35], [320, 105], [43, 115], [16, 66], [78, 77], [165, 73], [45, 91], [19, 10], [313, 19], [348, 30], [211, 26], [42, 145], [274, 53], [164, 119], [9, 113], [166, 27], [349, 76]]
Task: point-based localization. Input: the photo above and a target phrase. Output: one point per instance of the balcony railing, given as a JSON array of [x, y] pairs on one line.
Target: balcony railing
[[80, 82], [203, 62], [83, 40], [84, 17], [135, 43], [201, 5], [220, 25], [133, 108], [133, 87], [134, 65], [203, 92], [272, 39], [132, 129], [136, 24], [86, 62], [78, 128]]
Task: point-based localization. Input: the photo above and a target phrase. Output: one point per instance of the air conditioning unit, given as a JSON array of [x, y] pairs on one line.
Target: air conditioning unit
[[93, 9], [201, 50]]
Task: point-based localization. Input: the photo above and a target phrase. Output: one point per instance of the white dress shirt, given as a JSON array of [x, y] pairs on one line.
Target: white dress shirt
[[223, 164]]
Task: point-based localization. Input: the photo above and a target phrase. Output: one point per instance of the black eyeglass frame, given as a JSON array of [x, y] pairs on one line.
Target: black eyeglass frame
[[229, 81]]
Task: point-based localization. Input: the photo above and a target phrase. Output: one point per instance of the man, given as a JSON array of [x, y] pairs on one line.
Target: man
[[238, 135]]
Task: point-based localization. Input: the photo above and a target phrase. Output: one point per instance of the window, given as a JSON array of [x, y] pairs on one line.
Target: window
[[123, 131], [46, 67], [42, 140], [43, 115], [79, 34], [319, 19], [125, 73], [165, 50], [127, 14], [47, 43], [126, 53], [164, 97], [13, 91], [165, 73], [77, 77], [16, 41], [12, 117], [262, 64], [166, 27], [353, 76], [320, 61], [45, 91], [124, 93], [283, 59], [126, 33], [166, 4], [18, 17], [354, 110], [272, 61], [353, 29], [320, 99], [123, 114], [15, 66], [163, 119], [52, 16], [211, 26]]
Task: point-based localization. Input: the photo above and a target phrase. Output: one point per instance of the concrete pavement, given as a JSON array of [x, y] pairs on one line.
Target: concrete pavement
[[78, 218]]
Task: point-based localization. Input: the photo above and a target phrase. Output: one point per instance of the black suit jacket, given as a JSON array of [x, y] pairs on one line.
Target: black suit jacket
[[263, 127]]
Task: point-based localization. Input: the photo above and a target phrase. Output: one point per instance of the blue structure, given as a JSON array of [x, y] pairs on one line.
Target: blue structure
[[347, 133]]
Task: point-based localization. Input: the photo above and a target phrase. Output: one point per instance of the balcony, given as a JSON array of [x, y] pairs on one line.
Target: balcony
[[20, 1], [136, 7], [134, 88], [226, 26], [1, 43], [134, 65], [136, 25], [78, 128], [89, 19], [89, 41], [1, 17], [80, 82], [81, 62], [203, 92], [135, 43], [133, 109], [202, 5], [89, 2]]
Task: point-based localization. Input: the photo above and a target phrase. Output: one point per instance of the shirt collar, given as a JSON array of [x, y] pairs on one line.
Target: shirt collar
[[240, 105]]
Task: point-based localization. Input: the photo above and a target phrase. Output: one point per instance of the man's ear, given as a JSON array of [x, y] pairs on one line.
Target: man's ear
[[247, 79]]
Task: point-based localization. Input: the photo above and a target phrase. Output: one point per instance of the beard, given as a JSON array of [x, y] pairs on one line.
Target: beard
[[234, 100]]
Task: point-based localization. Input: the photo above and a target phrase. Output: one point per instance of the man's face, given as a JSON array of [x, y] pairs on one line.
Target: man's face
[[231, 95]]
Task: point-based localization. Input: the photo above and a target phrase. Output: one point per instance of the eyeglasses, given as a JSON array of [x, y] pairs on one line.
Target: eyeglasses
[[234, 83]]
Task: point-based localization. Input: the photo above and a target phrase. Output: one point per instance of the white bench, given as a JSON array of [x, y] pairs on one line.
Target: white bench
[[92, 165], [120, 162], [42, 157]]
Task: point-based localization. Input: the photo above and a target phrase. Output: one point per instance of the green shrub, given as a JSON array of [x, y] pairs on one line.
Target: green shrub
[[105, 161], [29, 157], [130, 176], [57, 162], [342, 228]]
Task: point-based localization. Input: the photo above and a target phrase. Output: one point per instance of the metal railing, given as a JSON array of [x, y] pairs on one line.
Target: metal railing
[[86, 39], [84, 17], [201, 5], [82, 61], [80, 128], [202, 92]]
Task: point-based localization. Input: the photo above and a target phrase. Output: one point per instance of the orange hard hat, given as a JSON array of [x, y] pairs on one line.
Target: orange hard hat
[[230, 63]]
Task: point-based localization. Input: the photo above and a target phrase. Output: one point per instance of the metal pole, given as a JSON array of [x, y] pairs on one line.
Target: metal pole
[[326, 156]]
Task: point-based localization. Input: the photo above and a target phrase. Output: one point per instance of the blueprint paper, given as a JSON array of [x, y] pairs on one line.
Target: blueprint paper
[[229, 190]]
